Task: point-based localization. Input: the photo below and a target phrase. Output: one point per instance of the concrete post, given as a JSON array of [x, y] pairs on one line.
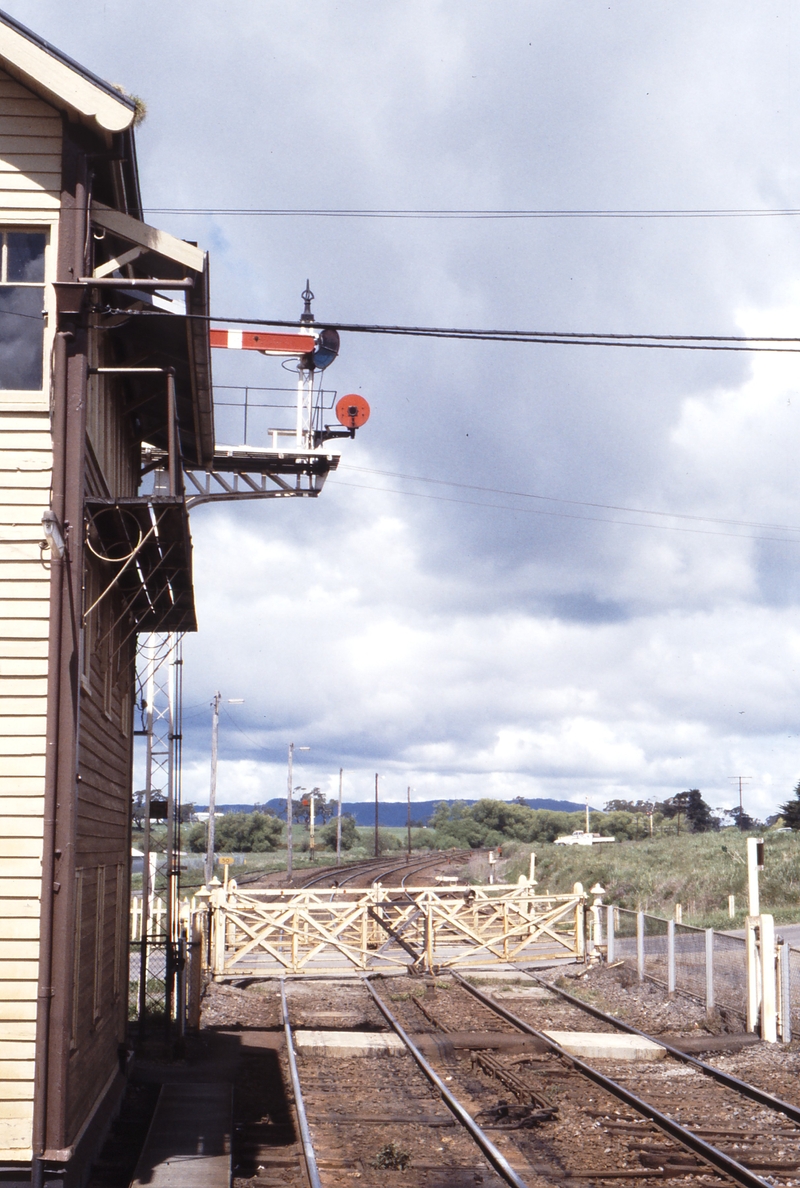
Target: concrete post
[[670, 957], [786, 992], [751, 957], [769, 1029], [640, 945], [709, 970], [731, 907], [610, 956], [755, 855]]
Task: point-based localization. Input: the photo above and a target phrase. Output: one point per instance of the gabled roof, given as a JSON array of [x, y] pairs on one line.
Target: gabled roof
[[59, 80]]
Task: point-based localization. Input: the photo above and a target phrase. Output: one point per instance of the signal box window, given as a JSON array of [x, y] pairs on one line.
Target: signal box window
[[21, 304]]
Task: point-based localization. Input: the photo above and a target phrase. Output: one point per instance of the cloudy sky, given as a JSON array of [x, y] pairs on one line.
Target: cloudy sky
[[543, 570]]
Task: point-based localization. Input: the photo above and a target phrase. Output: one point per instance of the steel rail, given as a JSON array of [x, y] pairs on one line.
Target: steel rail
[[742, 1087], [712, 1155], [353, 870], [305, 1134], [497, 1160], [415, 868], [356, 869]]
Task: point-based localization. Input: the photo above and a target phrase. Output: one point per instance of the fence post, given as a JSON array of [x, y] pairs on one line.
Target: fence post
[[786, 992], [731, 907], [670, 957], [709, 970], [769, 1031], [610, 933], [640, 945], [678, 913]]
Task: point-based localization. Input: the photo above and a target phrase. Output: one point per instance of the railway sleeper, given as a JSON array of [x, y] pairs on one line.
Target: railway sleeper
[[670, 1158]]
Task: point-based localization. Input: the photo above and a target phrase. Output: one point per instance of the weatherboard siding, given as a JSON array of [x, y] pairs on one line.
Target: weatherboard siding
[[30, 151], [30, 186], [25, 467]]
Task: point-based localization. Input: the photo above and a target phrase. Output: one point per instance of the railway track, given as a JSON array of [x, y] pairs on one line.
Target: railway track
[[368, 869], [384, 869], [535, 1116]]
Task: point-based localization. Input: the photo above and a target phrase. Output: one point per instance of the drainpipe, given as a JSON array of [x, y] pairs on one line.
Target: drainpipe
[[49, 886]]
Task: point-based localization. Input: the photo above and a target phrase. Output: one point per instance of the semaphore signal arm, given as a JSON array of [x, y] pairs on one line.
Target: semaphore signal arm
[[296, 460]]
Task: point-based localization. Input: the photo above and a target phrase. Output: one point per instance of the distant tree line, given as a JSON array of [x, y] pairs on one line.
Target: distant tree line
[[486, 824], [688, 810], [791, 810]]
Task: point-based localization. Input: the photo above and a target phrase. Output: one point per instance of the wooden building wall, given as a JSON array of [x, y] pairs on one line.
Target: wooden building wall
[[30, 173], [102, 841], [25, 461]]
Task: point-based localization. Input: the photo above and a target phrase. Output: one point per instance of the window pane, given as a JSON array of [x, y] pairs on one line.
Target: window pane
[[26, 256], [21, 338]]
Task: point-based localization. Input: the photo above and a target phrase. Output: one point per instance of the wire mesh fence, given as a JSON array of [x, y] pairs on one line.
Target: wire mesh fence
[[155, 983], [702, 963], [699, 962], [793, 988]]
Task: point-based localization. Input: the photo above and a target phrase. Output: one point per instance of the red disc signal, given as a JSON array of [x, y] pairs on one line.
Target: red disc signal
[[352, 411]]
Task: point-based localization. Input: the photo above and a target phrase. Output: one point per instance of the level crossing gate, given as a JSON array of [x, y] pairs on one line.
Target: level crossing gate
[[269, 932]]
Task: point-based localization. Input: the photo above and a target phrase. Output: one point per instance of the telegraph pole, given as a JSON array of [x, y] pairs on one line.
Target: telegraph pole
[[376, 814], [212, 792], [208, 873], [289, 791], [339, 822], [289, 817], [740, 779], [408, 821], [311, 840]]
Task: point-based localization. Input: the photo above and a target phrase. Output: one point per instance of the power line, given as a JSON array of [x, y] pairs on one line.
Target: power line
[[673, 342], [643, 511], [444, 213], [252, 741], [531, 511]]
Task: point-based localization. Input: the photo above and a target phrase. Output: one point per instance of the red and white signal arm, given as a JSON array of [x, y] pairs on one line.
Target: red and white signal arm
[[352, 411], [268, 344]]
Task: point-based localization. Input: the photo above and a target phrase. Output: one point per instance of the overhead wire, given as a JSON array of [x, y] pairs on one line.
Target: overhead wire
[[252, 741], [644, 511], [679, 342], [476, 213], [535, 511]]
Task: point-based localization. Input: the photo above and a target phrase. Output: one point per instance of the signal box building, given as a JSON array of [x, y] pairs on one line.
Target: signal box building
[[90, 368]]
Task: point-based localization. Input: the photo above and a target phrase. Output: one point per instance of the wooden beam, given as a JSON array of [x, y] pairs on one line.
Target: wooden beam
[[161, 242]]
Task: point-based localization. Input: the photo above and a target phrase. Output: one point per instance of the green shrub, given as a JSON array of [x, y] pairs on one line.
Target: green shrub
[[349, 834], [242, 833]]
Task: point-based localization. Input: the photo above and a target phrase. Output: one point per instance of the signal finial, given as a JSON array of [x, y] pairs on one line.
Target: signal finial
[[308, 297]]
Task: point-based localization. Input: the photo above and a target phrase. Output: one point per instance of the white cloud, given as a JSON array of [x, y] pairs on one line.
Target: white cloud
[[458, 646]]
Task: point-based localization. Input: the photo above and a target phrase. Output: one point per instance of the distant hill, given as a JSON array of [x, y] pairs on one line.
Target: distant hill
[[394, 812]]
